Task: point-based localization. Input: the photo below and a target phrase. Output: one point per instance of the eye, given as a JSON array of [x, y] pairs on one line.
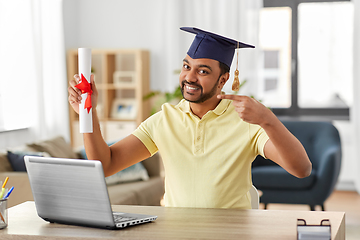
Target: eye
[[203, 72], [185, 66]]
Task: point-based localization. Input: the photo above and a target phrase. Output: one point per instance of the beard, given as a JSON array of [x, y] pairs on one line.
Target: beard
[[203, 96]]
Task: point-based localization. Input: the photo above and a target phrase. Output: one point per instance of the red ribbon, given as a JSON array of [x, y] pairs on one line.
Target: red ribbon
[[85, 87]]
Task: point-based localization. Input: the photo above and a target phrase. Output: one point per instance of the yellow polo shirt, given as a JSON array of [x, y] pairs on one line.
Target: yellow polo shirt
[[207, 161]]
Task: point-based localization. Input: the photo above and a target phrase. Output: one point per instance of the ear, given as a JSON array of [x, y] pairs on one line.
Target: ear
[[223, 79]]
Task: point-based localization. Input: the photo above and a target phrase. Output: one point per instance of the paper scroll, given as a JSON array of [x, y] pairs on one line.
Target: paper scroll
[[85, 110]]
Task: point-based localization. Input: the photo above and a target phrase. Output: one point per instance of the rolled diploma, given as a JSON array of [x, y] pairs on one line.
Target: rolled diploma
[[85, 118]]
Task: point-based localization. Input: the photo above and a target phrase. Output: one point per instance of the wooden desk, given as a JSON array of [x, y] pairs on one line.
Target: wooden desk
[[176, 223]]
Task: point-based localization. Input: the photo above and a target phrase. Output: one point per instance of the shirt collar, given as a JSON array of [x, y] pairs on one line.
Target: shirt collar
[[184, 106], [222, 106]]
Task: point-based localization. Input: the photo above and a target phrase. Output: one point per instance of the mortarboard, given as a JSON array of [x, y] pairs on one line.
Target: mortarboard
[[213, 46]]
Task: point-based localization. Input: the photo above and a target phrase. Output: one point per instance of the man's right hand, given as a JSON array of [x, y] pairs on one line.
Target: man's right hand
[[75, 93]]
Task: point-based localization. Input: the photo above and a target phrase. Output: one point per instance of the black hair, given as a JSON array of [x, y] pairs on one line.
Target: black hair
[[223, 68]]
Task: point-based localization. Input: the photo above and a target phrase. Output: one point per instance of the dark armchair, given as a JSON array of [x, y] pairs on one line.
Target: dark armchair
[[323, 146]]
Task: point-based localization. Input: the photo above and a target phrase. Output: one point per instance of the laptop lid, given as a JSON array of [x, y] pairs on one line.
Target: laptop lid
[[70, 191]]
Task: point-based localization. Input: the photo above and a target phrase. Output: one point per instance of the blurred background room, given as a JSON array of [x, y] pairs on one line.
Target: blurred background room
[[303, 66]]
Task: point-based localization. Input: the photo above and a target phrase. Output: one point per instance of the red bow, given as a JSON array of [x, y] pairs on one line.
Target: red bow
[[85, 87]]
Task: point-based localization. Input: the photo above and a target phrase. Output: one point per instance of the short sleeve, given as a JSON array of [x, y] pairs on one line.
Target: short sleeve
[[258, 138], [144, 134]]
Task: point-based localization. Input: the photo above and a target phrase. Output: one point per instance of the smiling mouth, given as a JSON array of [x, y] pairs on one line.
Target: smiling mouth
[[190, 88]]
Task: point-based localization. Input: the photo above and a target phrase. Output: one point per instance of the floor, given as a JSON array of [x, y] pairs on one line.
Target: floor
[[344, 201]]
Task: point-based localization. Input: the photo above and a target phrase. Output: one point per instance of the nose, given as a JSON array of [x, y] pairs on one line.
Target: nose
[[191, 76]]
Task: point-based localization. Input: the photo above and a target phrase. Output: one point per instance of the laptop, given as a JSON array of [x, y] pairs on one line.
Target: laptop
[[73, 191]]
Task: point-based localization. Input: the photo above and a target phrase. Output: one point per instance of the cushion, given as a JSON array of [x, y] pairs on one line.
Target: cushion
[[153, 165], [16, 159], [82, 151], [56, 147], [135, 172], [4, 163], [275, 177], [137, 193]]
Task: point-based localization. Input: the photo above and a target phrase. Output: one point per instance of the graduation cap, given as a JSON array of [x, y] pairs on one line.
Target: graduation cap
[[213, 46]]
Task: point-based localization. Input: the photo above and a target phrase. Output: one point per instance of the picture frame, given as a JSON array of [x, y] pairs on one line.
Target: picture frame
[[124, 109], [124, 78]]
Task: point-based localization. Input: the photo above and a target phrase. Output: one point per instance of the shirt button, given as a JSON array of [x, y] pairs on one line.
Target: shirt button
[[198, 138]]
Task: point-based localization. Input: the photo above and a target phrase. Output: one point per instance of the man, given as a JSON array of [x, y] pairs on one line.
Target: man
[[209, 140]]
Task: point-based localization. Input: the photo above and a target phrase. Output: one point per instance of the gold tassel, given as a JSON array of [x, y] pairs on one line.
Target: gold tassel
[[236, 83]]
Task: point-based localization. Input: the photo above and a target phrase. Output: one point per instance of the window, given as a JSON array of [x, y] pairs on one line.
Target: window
[[325, 46], [17, 65], [307, 57], [275, 43]]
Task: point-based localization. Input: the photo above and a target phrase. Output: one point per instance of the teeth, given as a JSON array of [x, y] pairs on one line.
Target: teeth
[[191, 88]]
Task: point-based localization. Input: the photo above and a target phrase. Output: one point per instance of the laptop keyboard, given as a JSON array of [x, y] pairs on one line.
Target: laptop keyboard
[[119, 218]]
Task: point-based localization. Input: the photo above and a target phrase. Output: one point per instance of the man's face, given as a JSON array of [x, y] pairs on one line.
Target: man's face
[[199, 79]]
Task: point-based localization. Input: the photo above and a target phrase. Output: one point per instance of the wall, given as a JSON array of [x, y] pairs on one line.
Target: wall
[[355, 113], [348, 173], [15, 138]]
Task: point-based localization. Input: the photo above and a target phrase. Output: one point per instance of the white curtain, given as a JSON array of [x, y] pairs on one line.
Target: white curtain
[[16, 64], [33, 85], [50, 59], [355, 113], [234, 19]]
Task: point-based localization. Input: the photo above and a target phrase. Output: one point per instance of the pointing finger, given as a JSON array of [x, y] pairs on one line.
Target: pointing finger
[[231, 97]]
